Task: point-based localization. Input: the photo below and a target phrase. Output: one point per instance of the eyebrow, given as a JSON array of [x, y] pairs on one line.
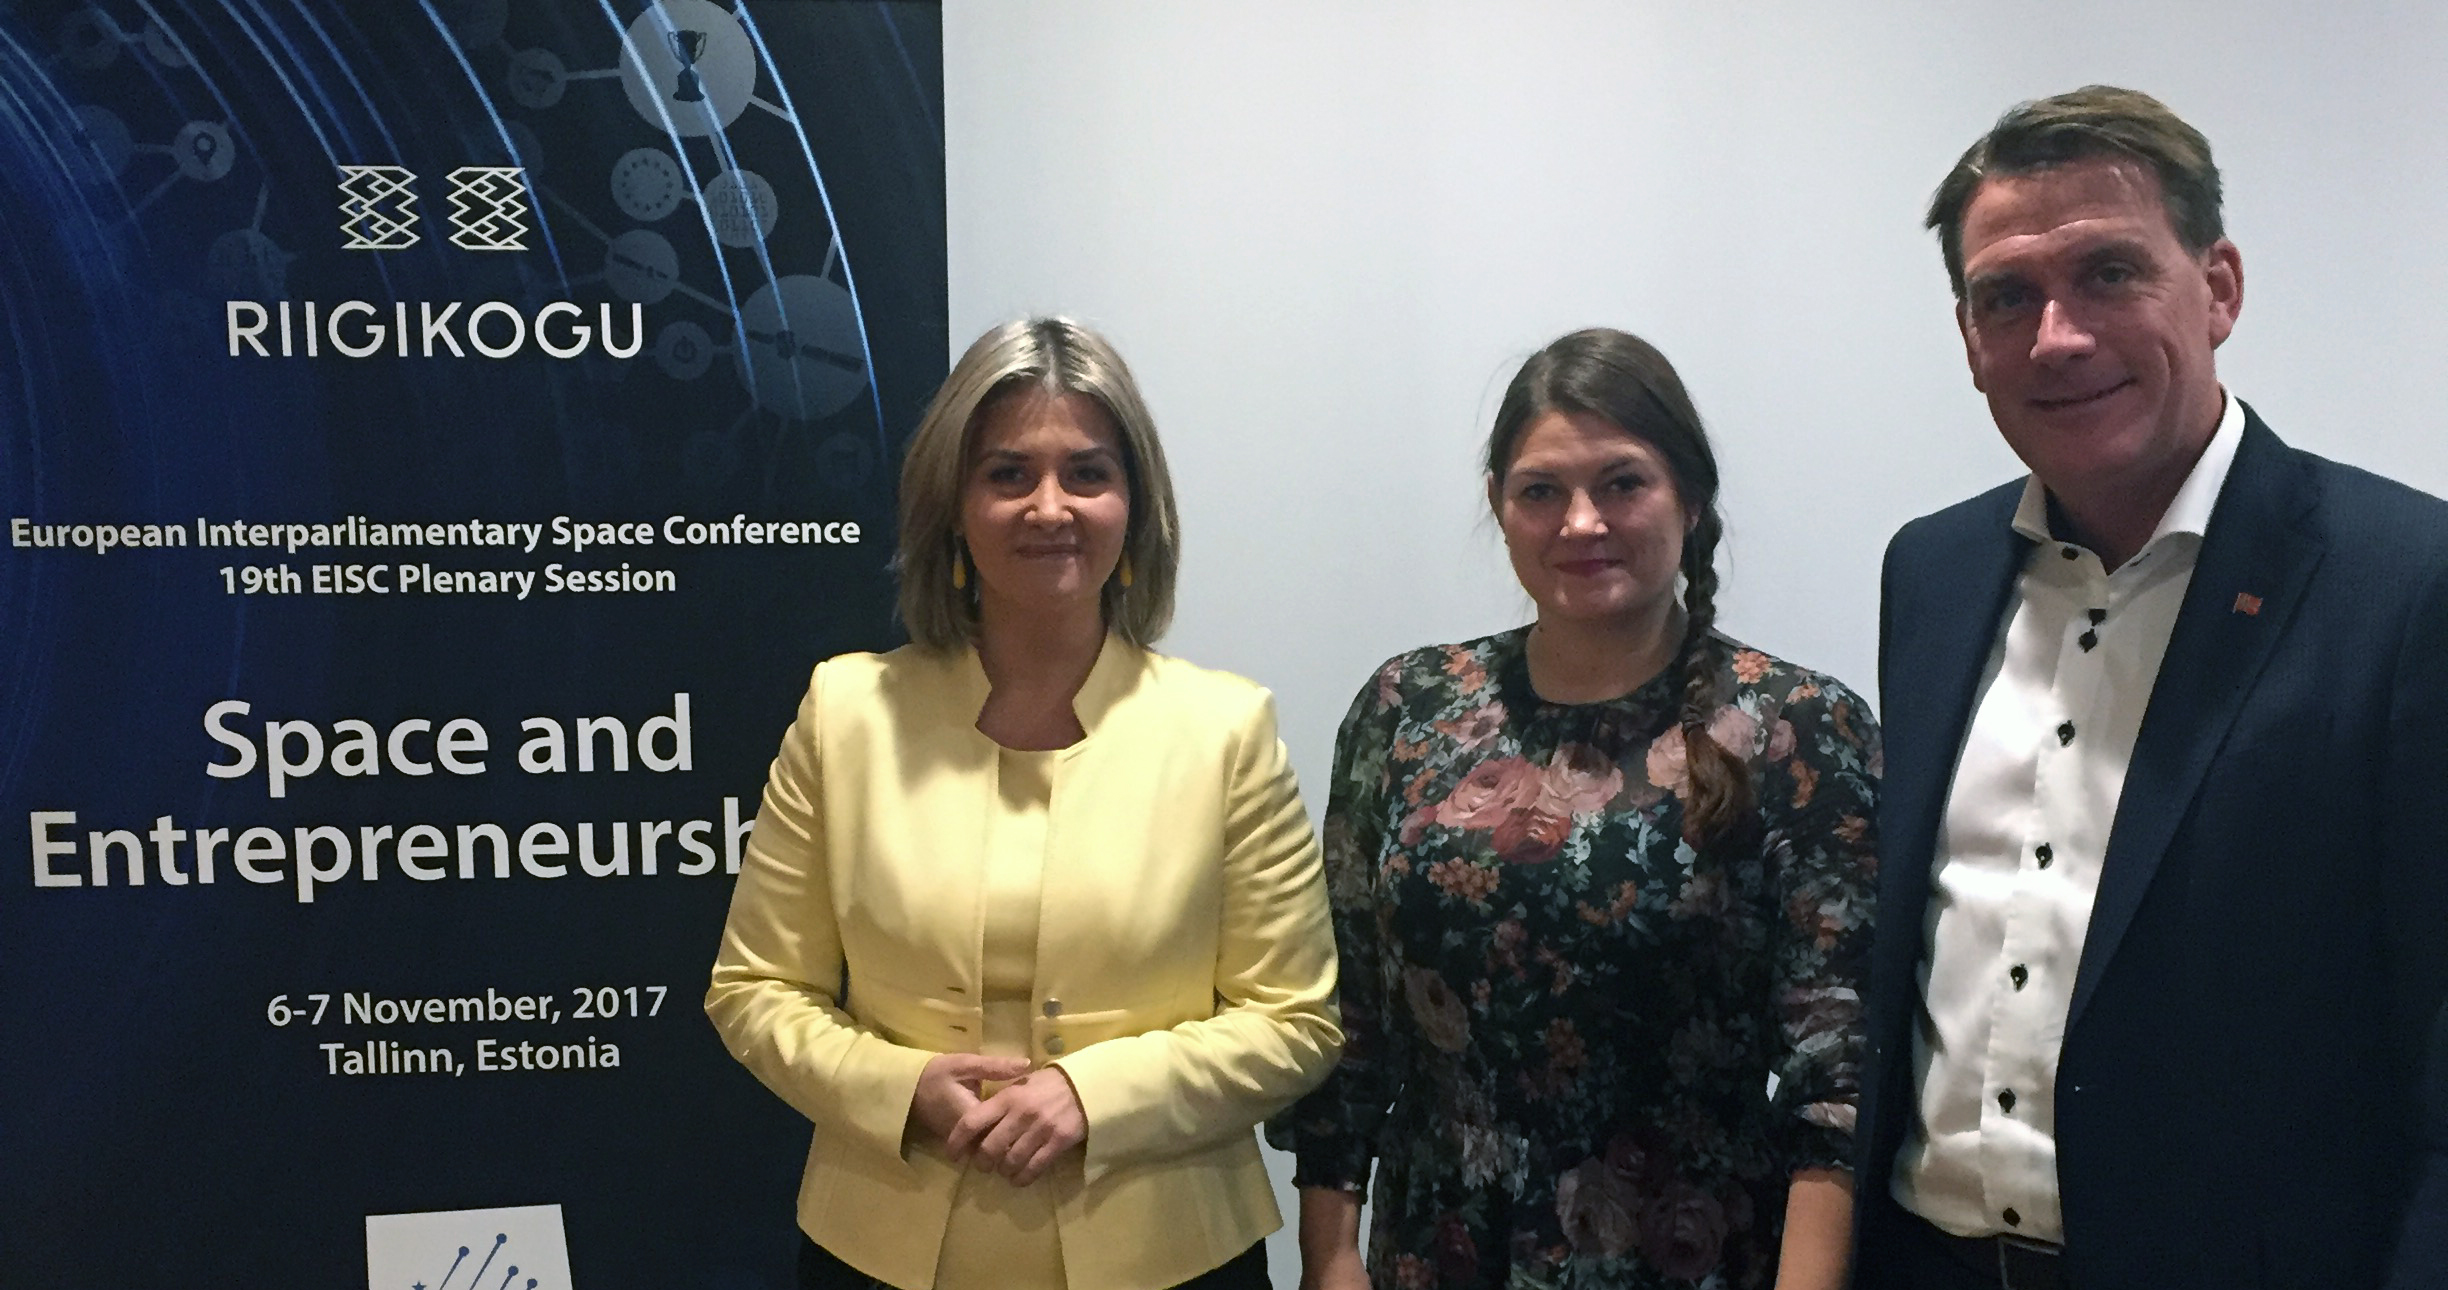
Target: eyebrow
[[1012, 454], [1611, 465], [2113, 248]]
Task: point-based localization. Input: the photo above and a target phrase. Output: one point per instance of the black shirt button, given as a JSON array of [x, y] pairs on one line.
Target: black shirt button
[[2088, 640], [2045, 854], [2098, 616], [2069, 552], [2006, 1099], [2065, 733], [2020, 975], [2012, 1218]]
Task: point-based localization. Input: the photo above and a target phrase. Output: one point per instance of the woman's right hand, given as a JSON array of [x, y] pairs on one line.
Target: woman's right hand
[[948, 1090], [1330, 1240]]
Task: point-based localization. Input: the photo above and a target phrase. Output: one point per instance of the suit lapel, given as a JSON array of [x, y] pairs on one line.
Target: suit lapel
[[1941, 659], [1946, 594], [2255, 561]]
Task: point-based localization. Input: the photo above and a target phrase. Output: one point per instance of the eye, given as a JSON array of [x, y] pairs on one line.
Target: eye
[[1003, 473], [1627, 484], [2001, 300], [1537, 490], [2115, 273], [1095, 474]]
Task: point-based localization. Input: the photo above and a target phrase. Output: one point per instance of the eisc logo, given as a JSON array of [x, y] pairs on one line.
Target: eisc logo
[[489, 211], [518, 1248]]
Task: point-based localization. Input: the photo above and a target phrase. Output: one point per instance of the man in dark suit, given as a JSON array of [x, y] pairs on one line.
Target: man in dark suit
[[2164, 909]]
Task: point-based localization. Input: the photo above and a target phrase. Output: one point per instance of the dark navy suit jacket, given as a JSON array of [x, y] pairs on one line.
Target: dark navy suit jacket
[[2239, 1095]]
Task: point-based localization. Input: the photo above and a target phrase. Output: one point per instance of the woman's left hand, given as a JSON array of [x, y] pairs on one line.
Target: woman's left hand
[[1021, 1130]]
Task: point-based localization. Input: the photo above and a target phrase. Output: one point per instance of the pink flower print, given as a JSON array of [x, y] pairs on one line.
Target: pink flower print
[[1489, 794], [1476, 727], [1683, 1231], [1667, 766], [1735, 730]]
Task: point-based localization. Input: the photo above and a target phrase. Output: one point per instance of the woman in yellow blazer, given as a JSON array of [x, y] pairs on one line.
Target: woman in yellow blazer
[[1032, 925]]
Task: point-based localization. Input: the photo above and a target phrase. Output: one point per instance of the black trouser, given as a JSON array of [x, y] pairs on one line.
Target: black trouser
[[819, 1270], [1903, 1252]]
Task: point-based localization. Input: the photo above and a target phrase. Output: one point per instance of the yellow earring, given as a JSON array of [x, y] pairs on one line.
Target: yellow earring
[[1123, 574], [960, 571]]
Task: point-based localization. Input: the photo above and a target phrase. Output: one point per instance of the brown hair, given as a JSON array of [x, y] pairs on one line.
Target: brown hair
[[1055, 354], [1618, 376], [2094, 121]]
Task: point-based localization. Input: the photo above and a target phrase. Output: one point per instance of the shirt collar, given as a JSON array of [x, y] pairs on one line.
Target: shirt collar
[[2189, 512]]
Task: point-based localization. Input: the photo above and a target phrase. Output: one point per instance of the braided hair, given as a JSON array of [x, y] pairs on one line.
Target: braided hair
[[1624, 380]]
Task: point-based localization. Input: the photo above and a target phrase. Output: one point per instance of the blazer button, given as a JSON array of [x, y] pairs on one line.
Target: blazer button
[[1053, 1007], [1054, 1044]]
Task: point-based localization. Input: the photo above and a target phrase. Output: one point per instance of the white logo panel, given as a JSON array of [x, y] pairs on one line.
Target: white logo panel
[[517, 1248]]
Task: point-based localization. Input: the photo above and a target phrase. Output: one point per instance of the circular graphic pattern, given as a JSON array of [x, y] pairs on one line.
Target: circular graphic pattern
[[244, 261], [799, 350], [640, 265], [688, 67], [684, 351], [106, 146], [646, 184], [537, 78], [203, 150], [845, 461], [742, 207], [89, 39], [709, 458], [163, 47]]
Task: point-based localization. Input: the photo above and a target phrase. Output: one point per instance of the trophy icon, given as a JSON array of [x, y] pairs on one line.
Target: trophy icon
[[688, 47]]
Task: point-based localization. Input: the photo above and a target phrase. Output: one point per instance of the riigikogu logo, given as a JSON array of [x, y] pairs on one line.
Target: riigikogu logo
[[492, 328], [378, 208], [489, 211], [489, 208]]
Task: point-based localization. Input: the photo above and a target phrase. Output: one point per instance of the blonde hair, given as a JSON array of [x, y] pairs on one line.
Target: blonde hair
[[1056, 355]]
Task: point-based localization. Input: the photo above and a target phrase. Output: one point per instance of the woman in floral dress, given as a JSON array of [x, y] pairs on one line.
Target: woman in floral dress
[[1602, 887]]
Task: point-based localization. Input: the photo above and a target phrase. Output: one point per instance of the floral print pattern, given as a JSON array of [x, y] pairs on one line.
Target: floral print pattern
[[1580, 1053]]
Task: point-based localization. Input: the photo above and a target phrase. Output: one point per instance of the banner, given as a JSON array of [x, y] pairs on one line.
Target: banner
[[439, 437]]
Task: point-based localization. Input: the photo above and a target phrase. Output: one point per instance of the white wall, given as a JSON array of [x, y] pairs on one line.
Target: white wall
[[1324, 234]]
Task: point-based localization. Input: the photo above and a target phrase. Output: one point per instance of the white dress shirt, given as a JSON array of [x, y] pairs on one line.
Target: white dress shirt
[[2019, 852]]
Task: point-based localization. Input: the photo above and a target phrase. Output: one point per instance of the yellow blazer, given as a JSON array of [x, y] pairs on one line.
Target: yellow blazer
[[1185, 964]]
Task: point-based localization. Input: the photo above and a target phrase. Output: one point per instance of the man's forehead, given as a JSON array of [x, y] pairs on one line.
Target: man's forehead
[[2075, 206]]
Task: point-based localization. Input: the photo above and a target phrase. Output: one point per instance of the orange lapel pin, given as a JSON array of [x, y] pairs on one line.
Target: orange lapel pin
[[2248, 604]]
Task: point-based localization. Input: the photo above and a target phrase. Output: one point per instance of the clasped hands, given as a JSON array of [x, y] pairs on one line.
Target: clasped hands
[[1018, 1131]]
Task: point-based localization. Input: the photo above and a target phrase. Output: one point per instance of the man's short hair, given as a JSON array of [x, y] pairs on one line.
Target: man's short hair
[[2094, 121]]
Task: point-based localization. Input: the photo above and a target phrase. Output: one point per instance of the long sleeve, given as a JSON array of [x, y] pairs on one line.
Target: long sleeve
[[1820, 805], [1273, 1034], [776, 991], [2414, 896], [1334, 1131]]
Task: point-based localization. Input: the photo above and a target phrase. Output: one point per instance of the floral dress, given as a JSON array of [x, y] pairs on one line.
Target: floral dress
[[1580, 1054]]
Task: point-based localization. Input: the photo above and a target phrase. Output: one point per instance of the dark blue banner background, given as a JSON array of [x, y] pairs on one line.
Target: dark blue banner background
[[752, 199]]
